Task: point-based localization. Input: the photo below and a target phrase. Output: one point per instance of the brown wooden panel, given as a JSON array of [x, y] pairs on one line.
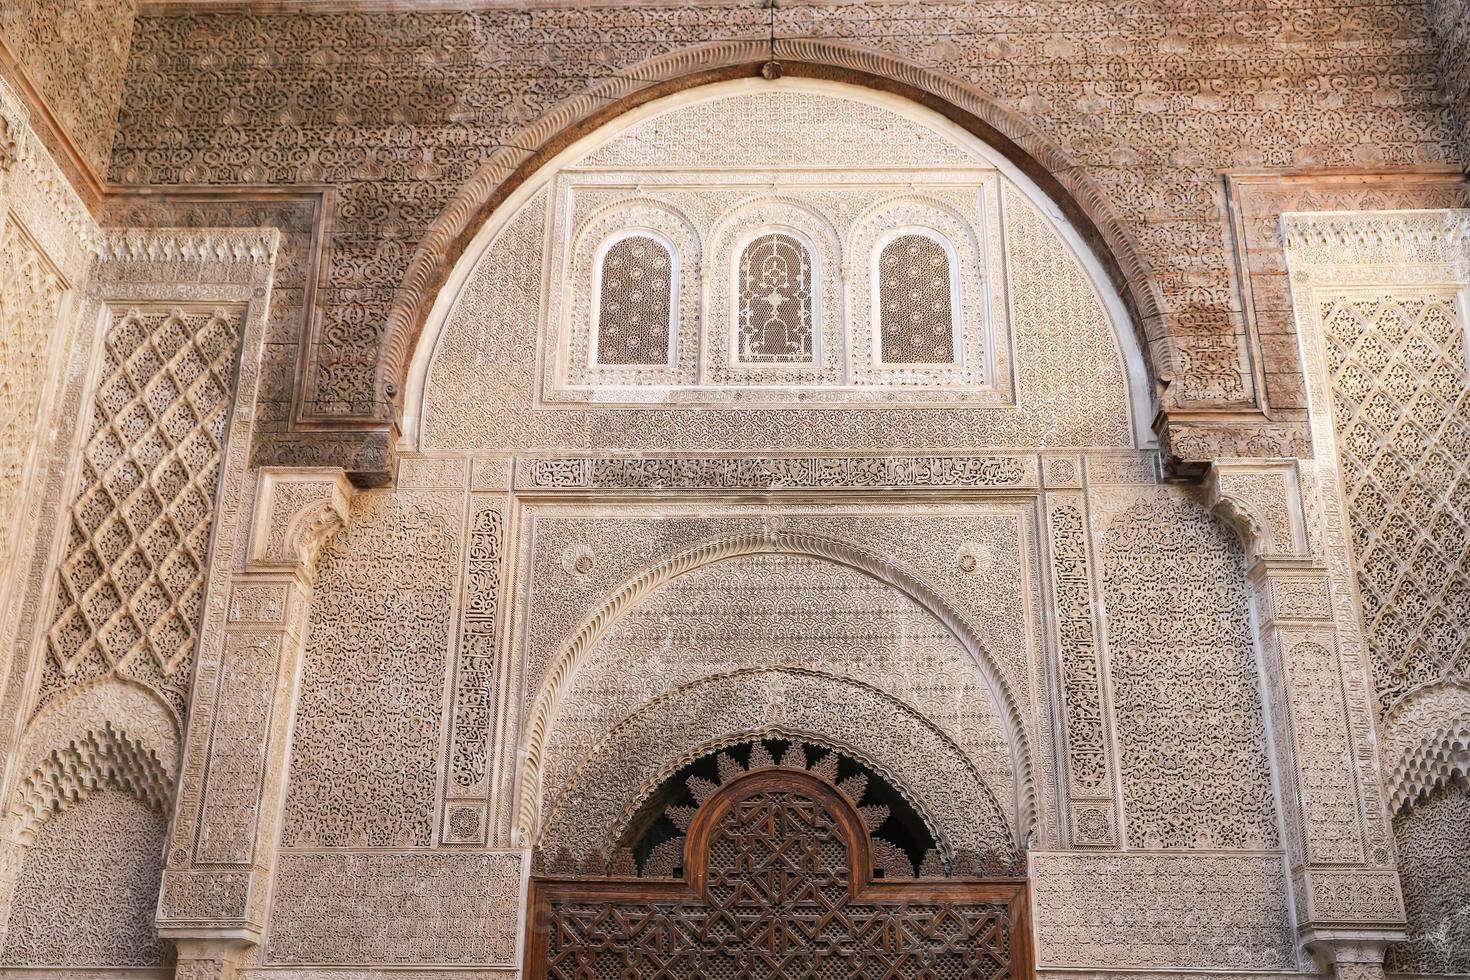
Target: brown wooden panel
[[778, 884]]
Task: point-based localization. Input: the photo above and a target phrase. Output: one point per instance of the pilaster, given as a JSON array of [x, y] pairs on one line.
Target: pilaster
[[1347, 899], [218, 870]]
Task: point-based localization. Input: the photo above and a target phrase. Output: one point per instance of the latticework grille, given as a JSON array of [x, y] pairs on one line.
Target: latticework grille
[[916, 310], [633, 325], [776, 302]]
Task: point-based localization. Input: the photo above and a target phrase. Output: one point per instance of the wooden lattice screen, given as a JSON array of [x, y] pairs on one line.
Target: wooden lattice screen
[[778, 884]]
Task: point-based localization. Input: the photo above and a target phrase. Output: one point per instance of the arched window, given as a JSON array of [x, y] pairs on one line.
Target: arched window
[[777, 312], [636, 302], [916, 288]]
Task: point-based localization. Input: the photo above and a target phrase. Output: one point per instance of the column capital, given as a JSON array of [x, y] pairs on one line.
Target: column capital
[[1261, 499], [296, 510]]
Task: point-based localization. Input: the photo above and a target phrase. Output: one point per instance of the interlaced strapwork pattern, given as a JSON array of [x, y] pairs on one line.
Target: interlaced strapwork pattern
[[914, 299], [776, 302], [1190, 726], [1401, 413], [88, 888], [779, 902], [131, 586], [1433, 839], [30, 296], [633, 325]]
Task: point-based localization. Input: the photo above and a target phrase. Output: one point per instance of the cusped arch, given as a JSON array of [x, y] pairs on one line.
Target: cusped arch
[[571, 656], [1082, 201], [929, 769]]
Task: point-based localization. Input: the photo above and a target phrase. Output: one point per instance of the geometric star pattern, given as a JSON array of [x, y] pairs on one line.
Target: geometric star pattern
[[780, 874]]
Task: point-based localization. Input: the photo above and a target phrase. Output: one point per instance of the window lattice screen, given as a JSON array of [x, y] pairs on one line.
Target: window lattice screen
[[916, 313], [633, 325], [776, 302]]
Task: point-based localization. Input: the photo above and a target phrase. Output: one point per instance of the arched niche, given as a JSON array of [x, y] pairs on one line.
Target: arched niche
[[85, 828], [454, 231], [1057, 362], [604, 720]]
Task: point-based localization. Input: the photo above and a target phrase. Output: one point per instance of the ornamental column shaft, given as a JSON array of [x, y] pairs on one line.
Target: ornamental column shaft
[[1346, 893], [232, 787]]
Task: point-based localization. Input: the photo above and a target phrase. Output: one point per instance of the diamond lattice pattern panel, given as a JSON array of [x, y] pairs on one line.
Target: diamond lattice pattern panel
[[131, 585], [1401, 411]]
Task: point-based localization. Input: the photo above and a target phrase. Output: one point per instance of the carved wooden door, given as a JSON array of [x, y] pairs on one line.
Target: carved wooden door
[[778, 884]]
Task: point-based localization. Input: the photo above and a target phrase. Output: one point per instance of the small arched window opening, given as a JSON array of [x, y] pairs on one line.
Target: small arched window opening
[[635, 310], [916, 300], [777, 316]]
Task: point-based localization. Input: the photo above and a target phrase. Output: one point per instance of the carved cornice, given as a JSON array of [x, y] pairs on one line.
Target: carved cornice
[[253, 246], [1351, 248], [39, 189], [296, 510]]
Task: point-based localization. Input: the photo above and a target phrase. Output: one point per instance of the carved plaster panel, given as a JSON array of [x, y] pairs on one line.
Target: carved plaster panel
[[131, 584], [592, 563], [365, 759], [1380, 307], [1433, 843], [1207, 910], [593, 807], [94, 867], [405, 908], [765, 611], [1191, 728]]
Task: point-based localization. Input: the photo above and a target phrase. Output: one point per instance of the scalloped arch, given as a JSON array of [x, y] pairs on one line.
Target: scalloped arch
[[1081, 199], [529, 786], [945, 836]]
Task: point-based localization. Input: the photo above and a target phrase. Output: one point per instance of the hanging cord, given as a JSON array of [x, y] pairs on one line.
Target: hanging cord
[[772, 68]]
